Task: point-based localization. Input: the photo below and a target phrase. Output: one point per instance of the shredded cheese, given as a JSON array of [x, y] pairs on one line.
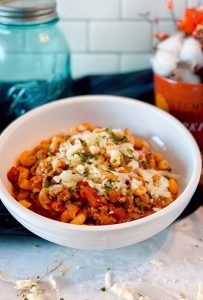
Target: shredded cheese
[[91, 156]]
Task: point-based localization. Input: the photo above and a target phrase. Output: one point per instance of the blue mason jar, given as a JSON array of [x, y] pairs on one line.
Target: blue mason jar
[[34, 57]]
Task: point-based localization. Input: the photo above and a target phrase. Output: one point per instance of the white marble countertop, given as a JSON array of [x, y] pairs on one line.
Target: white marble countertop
[[80, 275]]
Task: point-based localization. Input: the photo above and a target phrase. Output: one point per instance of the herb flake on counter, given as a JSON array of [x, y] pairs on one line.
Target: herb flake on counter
[[36, 245]]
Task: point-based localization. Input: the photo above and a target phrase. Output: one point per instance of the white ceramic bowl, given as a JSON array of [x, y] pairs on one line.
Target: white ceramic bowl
[[161, 129]]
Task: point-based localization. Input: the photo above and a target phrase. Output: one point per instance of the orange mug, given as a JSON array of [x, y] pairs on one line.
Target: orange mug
[[184, 101]]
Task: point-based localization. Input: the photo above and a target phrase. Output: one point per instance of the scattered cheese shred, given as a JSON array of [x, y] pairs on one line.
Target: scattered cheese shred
[[144, 298], [53, 282], [123, 292], [108, 280], [34, 296], [200, 292], [30, 288], [156, 262]]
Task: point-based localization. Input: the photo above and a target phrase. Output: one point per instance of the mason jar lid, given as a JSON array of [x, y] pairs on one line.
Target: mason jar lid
[[18, 12]]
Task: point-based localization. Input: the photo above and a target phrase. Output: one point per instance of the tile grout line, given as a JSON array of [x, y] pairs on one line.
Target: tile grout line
[[120, 7], [88, 36], [119, 62], [122, 20], [105, 53]]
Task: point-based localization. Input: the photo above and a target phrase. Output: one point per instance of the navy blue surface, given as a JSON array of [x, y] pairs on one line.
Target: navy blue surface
[[137, 85]]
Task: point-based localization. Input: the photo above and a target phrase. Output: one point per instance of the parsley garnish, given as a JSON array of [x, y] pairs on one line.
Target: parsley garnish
[[126, 161], [130, 151], [85, 156], [103, 289], [47, 183], [124, 139], [141, 208], [116, 139], [108, 185], [83, 142], [113, 136], [112, 169]]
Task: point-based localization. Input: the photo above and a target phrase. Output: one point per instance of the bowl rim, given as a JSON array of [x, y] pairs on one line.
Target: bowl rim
[[27, 214]]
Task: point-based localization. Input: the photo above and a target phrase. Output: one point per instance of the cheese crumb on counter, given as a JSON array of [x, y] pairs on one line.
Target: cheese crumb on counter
[[123, 292], [108, 280], [156, 262], [30, 288], [200, 292]]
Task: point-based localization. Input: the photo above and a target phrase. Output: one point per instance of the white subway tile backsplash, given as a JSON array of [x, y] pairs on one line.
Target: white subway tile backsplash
[[193, 3], [108, 36], [88, 9], [157, 8], [134, 62], [76, 34], [86, 64], [165, 27], [120, 36]]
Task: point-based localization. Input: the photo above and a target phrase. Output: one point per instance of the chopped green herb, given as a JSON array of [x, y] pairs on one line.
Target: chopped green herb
[[147, 160], [114, 137], [108, 185], [129, 193], [61, 299], [114, 161], [85, 156], [47, 183], [141, 207], [108, 269], [69, 163], [83, 142], [103, 289], [112, 169], [126, 161], [130, 151], [124, 139]]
